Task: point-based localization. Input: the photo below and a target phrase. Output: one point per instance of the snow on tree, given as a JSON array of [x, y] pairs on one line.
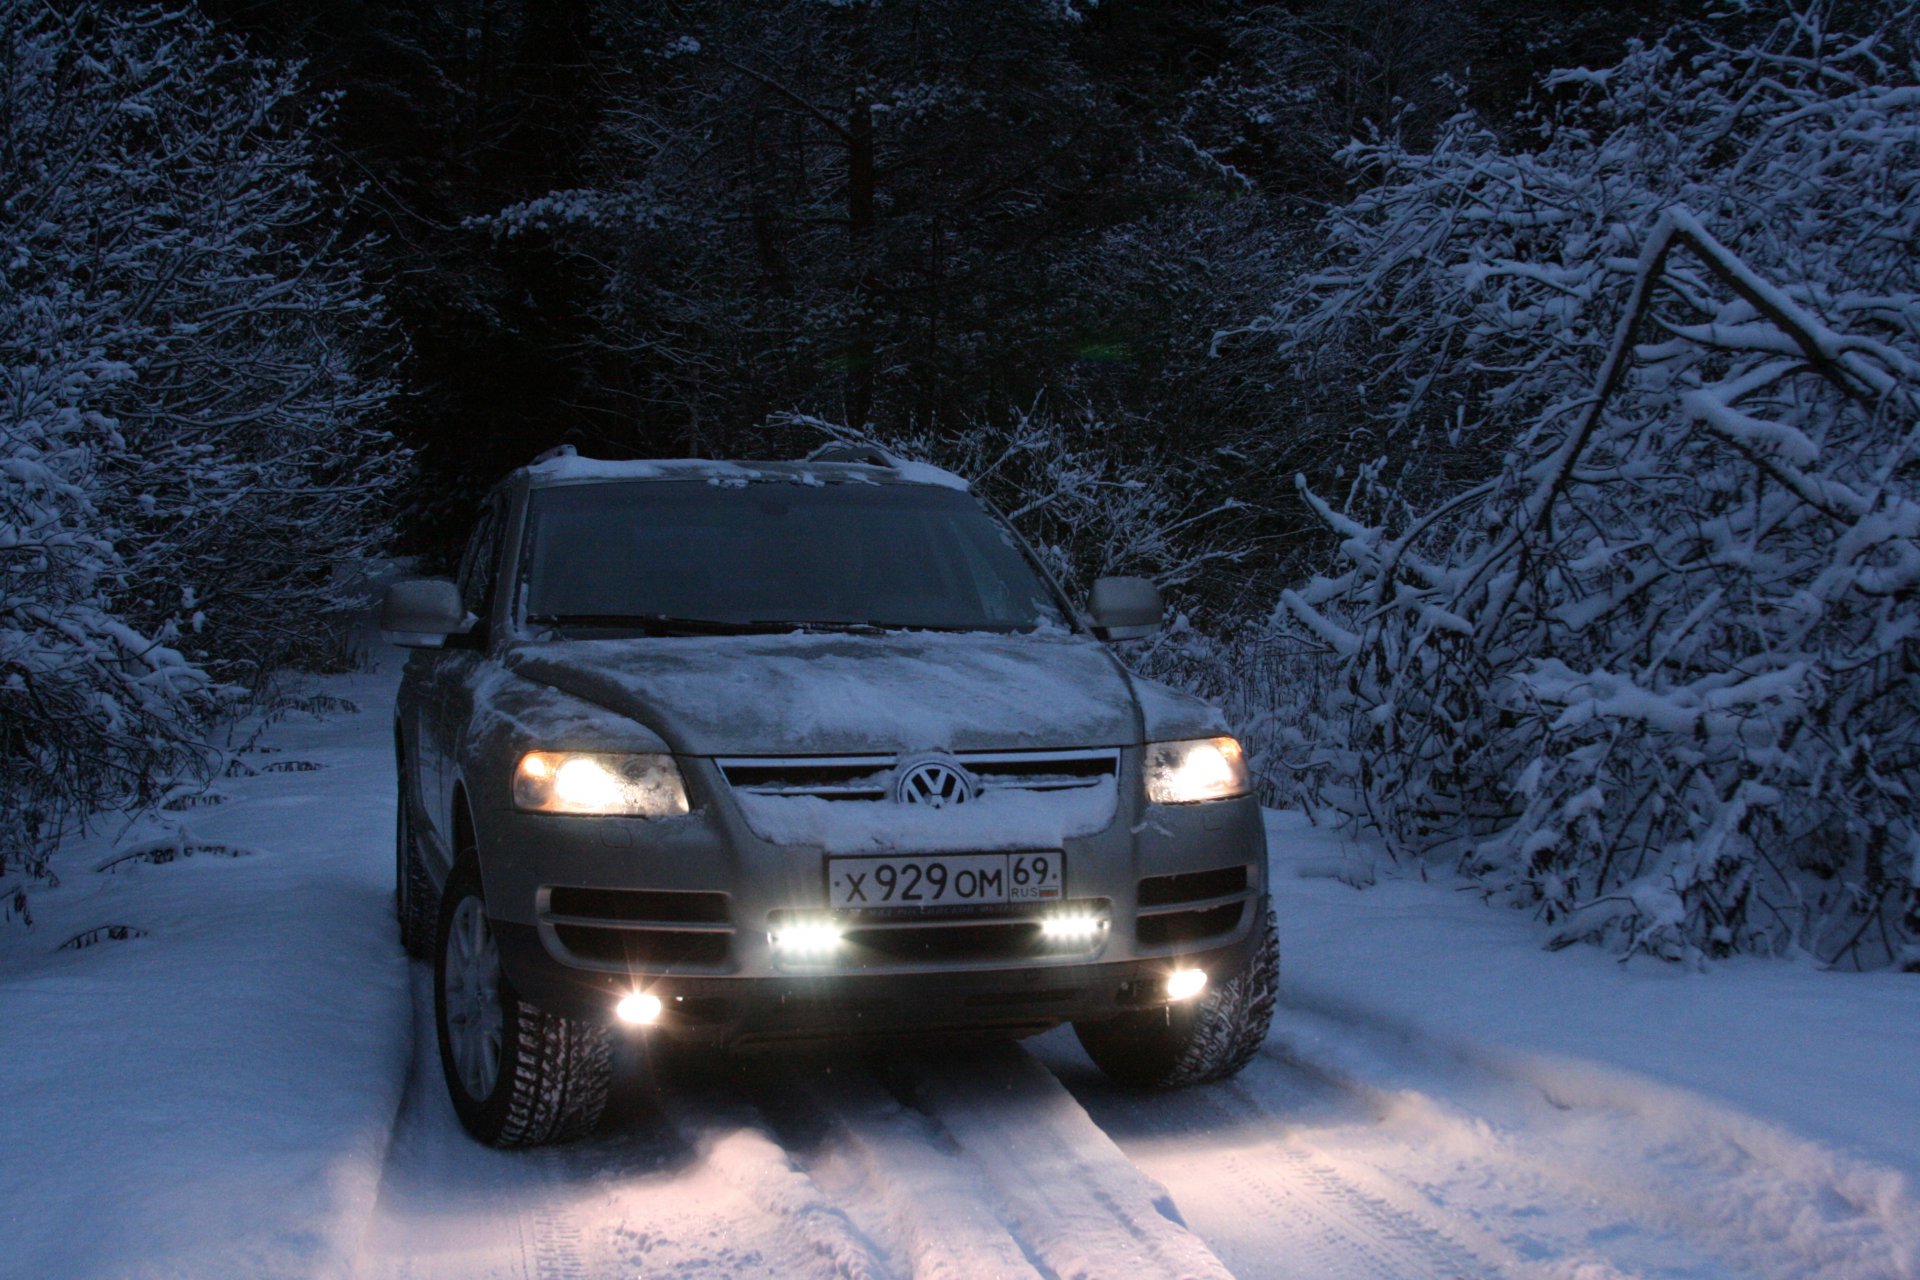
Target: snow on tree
[[1080, 489], [190, 466], [1654, 670]]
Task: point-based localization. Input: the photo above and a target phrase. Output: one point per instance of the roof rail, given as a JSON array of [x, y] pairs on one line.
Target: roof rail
[[558, 451], [853, 451]]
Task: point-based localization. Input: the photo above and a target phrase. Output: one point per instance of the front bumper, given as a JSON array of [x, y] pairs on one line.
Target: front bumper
[[737, 1012], [1183, 884]]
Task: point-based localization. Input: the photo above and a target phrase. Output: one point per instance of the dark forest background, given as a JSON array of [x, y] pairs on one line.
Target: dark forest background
[[1515, 401], [645, 228]]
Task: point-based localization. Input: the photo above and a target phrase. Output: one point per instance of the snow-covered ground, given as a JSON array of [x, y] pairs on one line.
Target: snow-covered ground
[[243, 1091], [1442, 1097], [215, 1097]]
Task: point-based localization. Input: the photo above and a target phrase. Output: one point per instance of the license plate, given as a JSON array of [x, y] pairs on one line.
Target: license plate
[[944, 880]]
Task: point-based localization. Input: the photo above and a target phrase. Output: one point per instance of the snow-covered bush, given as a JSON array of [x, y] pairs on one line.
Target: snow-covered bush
[[1655, 668], [1091, 497], [188, 454]]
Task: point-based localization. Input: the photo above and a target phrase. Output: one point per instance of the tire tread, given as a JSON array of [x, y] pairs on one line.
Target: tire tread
[[414, 901], [1172, 1048], [561, 1079]]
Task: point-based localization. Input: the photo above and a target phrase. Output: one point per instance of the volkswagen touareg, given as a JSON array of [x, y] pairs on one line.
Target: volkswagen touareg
[[742, 754]]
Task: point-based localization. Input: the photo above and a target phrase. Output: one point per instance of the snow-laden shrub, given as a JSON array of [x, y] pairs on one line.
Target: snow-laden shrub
[[1655, 670], [1275, 693], [1092, 497], [188, 457], [161, 193]]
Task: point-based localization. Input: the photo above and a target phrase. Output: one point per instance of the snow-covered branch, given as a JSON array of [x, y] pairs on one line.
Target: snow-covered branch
[[1654, 675], [191, 462]]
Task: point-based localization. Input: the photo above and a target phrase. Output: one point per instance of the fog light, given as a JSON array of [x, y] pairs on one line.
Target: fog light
[[1185, 984], [805, 939], [1072, 928], [638, 1008]]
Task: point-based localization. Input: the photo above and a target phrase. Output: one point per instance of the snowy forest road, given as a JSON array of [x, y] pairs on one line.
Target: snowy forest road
[[249, 1080], [1001, 1161], [1351, 1149], [976, 1164]]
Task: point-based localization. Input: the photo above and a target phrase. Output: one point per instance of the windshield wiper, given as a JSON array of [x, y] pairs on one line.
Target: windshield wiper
[[656, 624], [821, 624], [667, 624]]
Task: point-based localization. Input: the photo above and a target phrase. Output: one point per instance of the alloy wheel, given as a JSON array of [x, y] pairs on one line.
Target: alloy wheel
[[475, 1019]]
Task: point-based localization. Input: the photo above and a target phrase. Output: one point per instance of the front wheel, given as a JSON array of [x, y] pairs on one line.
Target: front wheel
[[518, 1076], [1195, 1041]]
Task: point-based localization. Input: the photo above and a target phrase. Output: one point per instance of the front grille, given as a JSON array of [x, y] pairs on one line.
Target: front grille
[[646, 928], [870, 777], [1192, 906]]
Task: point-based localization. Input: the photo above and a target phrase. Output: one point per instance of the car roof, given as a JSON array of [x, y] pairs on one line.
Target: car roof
[[566, 467]]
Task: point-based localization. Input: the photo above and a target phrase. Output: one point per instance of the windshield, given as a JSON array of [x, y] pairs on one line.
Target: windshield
[[691, 557]]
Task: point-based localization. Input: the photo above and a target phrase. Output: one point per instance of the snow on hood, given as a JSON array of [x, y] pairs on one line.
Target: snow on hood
[[827, 694]]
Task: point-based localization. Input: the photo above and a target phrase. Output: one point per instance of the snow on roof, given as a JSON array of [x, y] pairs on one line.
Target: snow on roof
[[568, 467]]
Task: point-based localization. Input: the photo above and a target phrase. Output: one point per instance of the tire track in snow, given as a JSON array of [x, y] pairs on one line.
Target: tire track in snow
[[979, 1165], [399, 1244], [1666, 1177], [1079, 1207], [737, 1143], [647, 1198], [1269, 1206], [1542, 1169], [900, 1176]]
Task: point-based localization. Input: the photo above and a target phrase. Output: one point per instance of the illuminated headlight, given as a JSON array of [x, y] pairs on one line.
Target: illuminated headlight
[[1072, 928], [633, 786], [1197, 769], [808, 938]]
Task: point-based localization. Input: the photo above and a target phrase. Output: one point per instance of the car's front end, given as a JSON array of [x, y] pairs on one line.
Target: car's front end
[[798, 897]]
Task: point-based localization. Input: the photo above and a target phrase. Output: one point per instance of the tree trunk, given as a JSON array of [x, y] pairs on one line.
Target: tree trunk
[[860, 189]]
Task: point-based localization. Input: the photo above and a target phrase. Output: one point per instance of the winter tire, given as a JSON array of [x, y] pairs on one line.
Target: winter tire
[[1196, 1041], [518, 1077], [413, 890]]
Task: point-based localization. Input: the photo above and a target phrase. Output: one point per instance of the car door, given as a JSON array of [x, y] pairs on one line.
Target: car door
[[455, 667]]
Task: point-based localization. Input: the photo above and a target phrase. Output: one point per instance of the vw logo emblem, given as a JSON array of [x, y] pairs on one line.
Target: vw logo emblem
[[934, 783]]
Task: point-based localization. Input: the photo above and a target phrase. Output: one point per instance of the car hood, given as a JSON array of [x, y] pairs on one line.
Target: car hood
[[834, 694]]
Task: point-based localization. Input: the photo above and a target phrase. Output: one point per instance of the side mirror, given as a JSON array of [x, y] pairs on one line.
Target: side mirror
[[1124, 608], [422, 613]]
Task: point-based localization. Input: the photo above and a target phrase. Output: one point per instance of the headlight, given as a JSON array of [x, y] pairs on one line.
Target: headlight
[[632, 786], [1198, 769]]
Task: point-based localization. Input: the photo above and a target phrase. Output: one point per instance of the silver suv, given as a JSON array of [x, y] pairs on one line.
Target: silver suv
[[747, 753]]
